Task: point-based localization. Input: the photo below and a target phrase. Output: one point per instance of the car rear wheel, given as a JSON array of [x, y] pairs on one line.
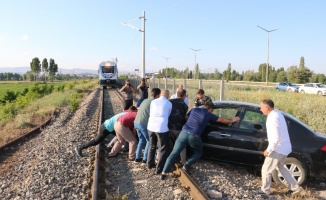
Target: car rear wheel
[[302, 92], [319, 93], [296, 169]]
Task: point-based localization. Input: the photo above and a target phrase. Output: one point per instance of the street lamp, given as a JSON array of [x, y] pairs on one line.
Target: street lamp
[[267, 52], [195, 50], [166, 66]]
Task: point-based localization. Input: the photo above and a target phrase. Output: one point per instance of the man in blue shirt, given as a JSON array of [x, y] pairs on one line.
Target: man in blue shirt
[[105, 130], [191, 135]]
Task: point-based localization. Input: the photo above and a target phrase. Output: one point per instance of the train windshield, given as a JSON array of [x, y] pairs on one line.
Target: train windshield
[[108, 69]]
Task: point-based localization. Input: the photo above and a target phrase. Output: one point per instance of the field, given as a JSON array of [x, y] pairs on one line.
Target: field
[[30, 110], [310, 109], [13, 86]]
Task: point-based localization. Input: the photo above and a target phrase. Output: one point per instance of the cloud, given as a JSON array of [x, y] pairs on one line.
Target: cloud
[[24, 37], [153, 49]]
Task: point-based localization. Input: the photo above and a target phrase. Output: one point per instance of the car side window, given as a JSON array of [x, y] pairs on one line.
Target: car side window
[[226, 113], [253, 120]]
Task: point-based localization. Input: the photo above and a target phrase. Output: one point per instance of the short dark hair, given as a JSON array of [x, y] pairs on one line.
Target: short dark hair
[[132, 108], [127, 80], [268, 102], [155, 92], [181, 93], [208, 105], [200, 91]]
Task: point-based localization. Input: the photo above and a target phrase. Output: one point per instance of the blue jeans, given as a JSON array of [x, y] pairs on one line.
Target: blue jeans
[[182, 141], [143, 139], [140, 100]]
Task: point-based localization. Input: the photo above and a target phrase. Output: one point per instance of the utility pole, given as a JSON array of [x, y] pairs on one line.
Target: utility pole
[[267, 67], [195, 50], [166, 66], [143, 31]]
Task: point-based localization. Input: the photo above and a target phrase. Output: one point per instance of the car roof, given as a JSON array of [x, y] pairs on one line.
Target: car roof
[[235, 104], [244, 104]]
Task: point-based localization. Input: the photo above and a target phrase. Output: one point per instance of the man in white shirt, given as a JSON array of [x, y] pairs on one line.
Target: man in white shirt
[[158, 130], [180, 88], [279, 146]]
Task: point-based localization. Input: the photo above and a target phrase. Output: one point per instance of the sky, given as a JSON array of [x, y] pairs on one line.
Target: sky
[[83, 33]]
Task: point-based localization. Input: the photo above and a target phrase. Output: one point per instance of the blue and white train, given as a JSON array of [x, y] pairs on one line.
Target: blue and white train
[[108, 73]]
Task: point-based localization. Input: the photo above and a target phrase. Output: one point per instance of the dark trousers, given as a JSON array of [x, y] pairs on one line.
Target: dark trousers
[[99, 138], [127, 104], [161, 142]]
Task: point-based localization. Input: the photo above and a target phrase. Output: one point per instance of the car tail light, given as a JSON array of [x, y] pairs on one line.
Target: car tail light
[[323, 148]]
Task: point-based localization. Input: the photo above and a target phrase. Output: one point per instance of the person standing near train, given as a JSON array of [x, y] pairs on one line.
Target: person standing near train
[[127, 91], [143, 91]]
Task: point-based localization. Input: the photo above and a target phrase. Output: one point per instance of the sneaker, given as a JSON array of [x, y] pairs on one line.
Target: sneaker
[[186, 167], [144, 162], [292, 192], [79, 151], [108, 148], [263, 193], [125, 150], [163, 176], [151, 166], [138, 160]]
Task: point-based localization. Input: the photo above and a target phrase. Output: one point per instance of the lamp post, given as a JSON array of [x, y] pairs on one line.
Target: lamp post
[[195, 50], [268, 31], [166, 66]]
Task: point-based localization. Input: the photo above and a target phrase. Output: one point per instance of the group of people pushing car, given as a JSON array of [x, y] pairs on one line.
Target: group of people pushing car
[[157, 119]]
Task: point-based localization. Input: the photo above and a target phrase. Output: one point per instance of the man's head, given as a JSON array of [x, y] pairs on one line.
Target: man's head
[[143, 80], [132, 109], [266, 106], [181, 93], [209, 106], [155, 92], [128, 82], [180, 87], [165, 93], [200, 94]]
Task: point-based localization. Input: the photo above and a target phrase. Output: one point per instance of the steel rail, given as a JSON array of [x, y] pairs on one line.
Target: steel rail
[[30, 133], [97, 154], [194, 190]]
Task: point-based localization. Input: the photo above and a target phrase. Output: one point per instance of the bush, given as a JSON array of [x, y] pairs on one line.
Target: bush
[[73, 102]]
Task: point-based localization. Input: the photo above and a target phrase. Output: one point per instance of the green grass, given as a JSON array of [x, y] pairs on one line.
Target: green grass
[[13, 86]]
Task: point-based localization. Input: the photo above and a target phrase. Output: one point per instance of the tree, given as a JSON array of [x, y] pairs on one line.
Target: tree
[[227, 73], [197, 75], [53, 69], [302, 63], [186, 73], [217, 74], [35, 67], [45, 66]]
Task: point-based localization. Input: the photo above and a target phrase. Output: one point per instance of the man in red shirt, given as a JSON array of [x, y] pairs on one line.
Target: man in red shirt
[[124, 127]]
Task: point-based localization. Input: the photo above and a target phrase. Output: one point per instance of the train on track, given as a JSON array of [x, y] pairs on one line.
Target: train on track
[[108, 73]]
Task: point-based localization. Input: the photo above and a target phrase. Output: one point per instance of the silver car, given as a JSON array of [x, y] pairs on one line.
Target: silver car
[[313, 88], [287, 87]]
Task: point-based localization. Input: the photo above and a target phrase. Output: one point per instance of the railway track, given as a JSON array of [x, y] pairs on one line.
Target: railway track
[[45, 166], [99, 188]]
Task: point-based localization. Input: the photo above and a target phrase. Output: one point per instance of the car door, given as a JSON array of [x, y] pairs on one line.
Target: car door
[[283, 86], [310, 89], [250, 138], [218, 136]]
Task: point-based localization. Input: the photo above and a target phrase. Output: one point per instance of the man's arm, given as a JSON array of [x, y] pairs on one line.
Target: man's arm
[[132, 88], [227, 121]]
